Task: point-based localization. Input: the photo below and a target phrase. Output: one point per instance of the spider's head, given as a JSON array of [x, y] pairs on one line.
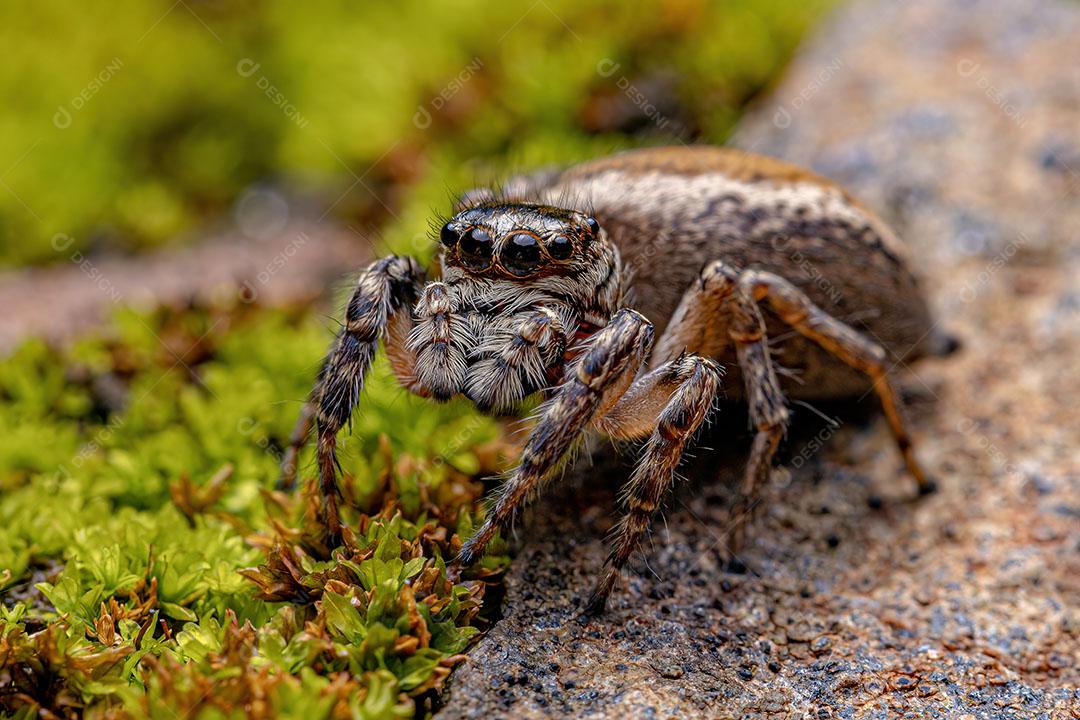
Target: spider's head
[[522, 241]]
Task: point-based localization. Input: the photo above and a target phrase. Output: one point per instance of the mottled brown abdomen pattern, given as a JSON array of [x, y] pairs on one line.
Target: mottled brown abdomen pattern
[[670, 211]]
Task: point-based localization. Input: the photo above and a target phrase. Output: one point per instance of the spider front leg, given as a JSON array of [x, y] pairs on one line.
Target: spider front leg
[[384, 289], [593, 383], [430, 314], [669, 405]]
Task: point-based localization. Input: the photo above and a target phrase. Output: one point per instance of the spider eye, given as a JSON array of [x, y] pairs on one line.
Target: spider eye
[[560, 247], [594, 227], [521, 254], [448, 236], [476, 249]]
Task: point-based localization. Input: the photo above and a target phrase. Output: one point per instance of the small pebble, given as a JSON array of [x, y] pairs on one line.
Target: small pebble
[[673, 672]]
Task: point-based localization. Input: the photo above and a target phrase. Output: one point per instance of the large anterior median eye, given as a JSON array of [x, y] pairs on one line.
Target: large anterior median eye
[[521, 254], [476, 249]]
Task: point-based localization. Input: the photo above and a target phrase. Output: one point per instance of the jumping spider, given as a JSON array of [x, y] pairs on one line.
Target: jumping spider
[[559, 284]]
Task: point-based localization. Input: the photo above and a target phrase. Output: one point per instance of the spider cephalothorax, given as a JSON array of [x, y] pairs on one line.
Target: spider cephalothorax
[[522, 285], [531, 300]]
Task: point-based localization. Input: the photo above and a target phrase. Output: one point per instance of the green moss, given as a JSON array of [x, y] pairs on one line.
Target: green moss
[[145, 552]]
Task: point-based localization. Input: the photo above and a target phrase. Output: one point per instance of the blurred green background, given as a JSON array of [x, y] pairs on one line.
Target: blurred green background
[[134, 123]]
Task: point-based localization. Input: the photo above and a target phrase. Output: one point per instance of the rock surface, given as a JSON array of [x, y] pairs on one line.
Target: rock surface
[[291, 262], [958, 121], [858, 603]]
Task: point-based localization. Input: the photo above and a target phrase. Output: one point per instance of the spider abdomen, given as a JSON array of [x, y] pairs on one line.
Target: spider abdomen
[[670, 211]]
